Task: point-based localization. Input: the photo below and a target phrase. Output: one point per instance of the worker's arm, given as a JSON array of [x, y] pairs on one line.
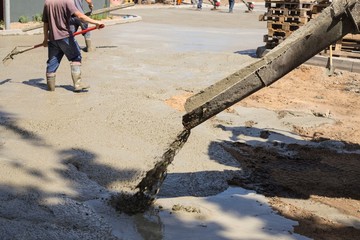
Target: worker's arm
[[87, 19], [91, 5], [46, 34]]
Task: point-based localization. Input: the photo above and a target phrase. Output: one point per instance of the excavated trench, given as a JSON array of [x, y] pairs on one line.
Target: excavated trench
[[150, 185]]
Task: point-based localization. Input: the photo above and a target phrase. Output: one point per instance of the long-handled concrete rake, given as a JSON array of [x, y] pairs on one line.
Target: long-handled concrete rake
[[15, 51]]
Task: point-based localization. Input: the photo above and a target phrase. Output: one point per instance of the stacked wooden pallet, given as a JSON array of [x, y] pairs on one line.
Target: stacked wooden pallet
[[285, 16], [348, 46]]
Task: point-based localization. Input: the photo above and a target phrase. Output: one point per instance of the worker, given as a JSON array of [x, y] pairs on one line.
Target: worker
[[76, 23], [58, 38], [231, 5]]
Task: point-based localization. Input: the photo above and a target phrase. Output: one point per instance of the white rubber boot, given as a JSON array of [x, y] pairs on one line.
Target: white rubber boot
[[79, 85], [50, 81]]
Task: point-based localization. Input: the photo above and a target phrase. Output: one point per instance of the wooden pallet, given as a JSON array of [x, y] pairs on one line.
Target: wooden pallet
[[289, 5], [350, 46], [285, 16], [286, 26], [287, 19], [347, 54], [299, 12], [352, 37], [278, 33], [342, 54], [349, 43]]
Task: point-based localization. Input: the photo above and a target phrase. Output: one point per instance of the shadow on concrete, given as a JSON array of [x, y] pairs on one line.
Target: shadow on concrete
[[248, 52], [279, 165], [30, 212], [38, 82], [5, 81], [41, 83], [7, 120], [70, 88]]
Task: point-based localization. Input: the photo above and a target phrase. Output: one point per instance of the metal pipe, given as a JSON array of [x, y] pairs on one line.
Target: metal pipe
[[7, 14]]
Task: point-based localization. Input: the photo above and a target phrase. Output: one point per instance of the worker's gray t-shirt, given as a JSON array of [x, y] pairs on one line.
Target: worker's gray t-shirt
[[79, 5], [58, 14]]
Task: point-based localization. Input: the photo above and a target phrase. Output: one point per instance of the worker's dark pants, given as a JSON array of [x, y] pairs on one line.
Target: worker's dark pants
[[231, 5], [58, 48], [75, 23], [199, 5]]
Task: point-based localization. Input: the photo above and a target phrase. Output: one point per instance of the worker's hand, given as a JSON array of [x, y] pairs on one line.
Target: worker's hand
[[99, 25], [91, 6], [45, 43]]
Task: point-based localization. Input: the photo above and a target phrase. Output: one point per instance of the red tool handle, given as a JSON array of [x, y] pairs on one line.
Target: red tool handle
[[77, 33], [15, 51], [88, 30]]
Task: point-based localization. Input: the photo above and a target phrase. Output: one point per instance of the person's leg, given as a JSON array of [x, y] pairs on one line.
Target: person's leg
[[79, 85], [75, 23], [87, 37], [71, 50], [232, 3], [199, 5], [55, 55]]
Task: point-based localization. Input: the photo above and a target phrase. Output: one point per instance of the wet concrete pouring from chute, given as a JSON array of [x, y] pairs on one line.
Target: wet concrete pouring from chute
[[150, 185]]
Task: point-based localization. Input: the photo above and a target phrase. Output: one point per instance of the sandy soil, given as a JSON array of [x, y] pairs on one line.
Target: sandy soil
[[63, 154]]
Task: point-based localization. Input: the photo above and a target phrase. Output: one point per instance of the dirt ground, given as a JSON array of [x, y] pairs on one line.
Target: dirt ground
[[295, 142]]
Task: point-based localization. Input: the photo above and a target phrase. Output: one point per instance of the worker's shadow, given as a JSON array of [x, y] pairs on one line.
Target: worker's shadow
[[41, 83], [5, 81], [37, 82], [69, 88]]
